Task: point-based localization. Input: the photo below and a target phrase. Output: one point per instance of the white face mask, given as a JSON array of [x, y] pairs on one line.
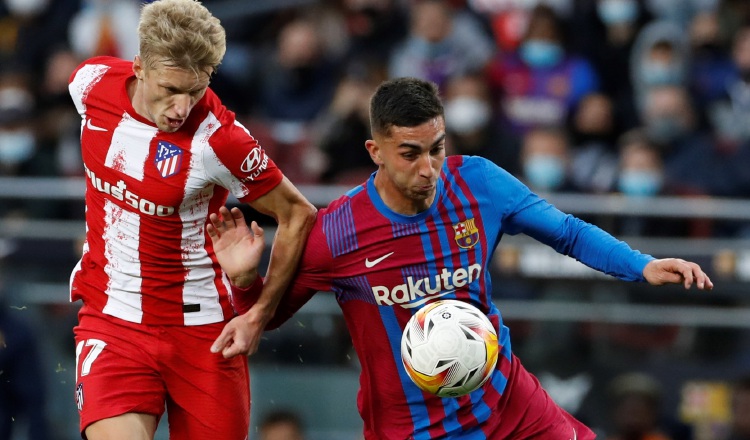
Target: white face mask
[[16, 146], [26, 7], [464, 114]]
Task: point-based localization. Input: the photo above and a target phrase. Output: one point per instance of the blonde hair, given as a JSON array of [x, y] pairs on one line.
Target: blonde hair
[[182, 34]]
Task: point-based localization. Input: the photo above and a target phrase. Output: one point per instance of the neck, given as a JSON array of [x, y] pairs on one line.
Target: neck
[[396, 200]]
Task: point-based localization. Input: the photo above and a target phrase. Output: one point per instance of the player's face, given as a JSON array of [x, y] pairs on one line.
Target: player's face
[[409, 160], [165, 95]]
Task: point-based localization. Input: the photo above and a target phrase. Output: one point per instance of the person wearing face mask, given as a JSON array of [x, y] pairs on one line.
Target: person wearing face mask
[[540, 83], [659, 57], [470, 126], [641, 175], [545, 160], [693, 159], [17, 141]]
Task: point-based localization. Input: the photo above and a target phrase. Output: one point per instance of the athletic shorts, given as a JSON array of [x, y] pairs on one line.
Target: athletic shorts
[[123, 367], [526, 411]]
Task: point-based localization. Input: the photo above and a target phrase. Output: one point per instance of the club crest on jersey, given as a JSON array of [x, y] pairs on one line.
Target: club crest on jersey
[[79, 396], [168, 158], [467, 234]]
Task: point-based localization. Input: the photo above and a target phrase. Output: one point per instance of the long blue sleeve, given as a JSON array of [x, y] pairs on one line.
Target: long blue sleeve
[[522, 211]]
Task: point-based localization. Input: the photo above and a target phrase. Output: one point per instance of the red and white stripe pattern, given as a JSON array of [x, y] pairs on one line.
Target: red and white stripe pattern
[[147, 258]]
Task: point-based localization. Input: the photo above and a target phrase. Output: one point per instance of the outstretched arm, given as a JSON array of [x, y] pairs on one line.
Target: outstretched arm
[[676, 271], [295, 217]]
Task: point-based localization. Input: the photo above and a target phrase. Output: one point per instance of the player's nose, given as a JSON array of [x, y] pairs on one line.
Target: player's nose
[[182, 105]]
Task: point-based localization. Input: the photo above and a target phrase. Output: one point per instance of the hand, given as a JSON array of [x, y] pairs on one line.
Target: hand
[[674, 271], [242, 334], [237, 248]]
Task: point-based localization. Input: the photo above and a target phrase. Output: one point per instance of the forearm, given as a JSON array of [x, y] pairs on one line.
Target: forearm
[[287, 249]]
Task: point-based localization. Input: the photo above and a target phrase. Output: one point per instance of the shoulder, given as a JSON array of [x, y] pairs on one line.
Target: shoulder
[[468, 165], [103, 64], [354, 195]]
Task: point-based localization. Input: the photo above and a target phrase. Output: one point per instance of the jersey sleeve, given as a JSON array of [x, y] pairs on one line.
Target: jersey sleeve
[[240, 164], [523, 211]]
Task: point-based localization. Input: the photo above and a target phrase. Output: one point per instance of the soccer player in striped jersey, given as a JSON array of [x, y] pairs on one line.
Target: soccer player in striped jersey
[[425, 227], [160, 153]]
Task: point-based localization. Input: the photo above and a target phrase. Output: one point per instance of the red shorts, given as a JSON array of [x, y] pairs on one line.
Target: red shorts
[[123, 367], [526, 411]]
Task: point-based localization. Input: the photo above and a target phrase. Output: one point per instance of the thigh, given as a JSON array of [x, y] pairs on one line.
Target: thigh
[[115, 375], [209, 396], [130, 426], [528, 412]]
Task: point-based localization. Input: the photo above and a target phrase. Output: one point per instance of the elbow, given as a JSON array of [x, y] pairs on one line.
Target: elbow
[[307, 213]]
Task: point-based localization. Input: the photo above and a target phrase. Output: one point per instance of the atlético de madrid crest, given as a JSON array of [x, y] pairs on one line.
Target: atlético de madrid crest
[[467, 233], [168, 158]]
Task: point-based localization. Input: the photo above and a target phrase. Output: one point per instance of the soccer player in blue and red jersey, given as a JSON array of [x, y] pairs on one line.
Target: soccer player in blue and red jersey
[[425, 227]]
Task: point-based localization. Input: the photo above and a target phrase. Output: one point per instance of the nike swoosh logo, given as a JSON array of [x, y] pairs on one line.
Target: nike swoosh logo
[[93, 127], [372, 263], [575, 434]]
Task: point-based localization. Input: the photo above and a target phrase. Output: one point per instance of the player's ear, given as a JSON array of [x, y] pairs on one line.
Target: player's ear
[[374, 149], [138, 67]]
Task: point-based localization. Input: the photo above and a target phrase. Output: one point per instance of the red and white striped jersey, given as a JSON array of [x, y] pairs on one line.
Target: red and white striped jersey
[[147, 257]]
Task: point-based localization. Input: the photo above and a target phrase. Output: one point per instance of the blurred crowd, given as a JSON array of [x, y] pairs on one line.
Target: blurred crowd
[[639, 97]]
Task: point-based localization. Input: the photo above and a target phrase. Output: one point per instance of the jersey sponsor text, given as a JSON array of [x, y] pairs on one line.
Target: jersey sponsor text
[[406, 295], [120, 192]]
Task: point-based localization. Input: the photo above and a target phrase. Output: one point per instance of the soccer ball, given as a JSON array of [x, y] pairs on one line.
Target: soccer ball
[[449, 348]]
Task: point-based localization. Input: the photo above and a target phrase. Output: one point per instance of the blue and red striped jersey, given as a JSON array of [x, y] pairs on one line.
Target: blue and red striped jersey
[[383, 266]]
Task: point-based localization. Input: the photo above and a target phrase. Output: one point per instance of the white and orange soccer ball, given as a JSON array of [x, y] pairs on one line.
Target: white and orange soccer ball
[[449, 348]]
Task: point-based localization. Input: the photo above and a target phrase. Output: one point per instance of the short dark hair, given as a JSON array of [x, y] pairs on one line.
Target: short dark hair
[[404, 102], [282, 416]]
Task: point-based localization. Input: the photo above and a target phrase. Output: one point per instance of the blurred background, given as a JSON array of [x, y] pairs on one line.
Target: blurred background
[[631, 114]]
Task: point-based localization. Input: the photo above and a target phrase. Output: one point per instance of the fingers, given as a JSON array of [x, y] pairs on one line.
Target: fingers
[[221, 342], [257, 230], [692, 274]]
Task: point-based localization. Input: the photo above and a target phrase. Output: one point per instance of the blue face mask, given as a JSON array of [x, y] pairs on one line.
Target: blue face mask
[[540, 54], [639, 183], [617, 11], [16, 146], [544, 173], [658, 74]]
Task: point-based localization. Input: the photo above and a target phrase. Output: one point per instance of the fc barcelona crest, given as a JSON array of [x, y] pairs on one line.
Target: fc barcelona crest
[[168, 158], [467, 234]]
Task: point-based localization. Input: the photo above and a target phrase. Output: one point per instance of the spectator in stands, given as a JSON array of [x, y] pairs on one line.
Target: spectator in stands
[[34, 29], [641, 175], [594, 132], [660, 57], [740, 422], [470, 123], [442, 43], [545, 160], [712, 69], [605, 31], [731, 111], [345, 125], [539, 84], [636, 409], [60, 125], [694, 162], [17, 139], [282, 425], [375, 27], [297, 80]]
